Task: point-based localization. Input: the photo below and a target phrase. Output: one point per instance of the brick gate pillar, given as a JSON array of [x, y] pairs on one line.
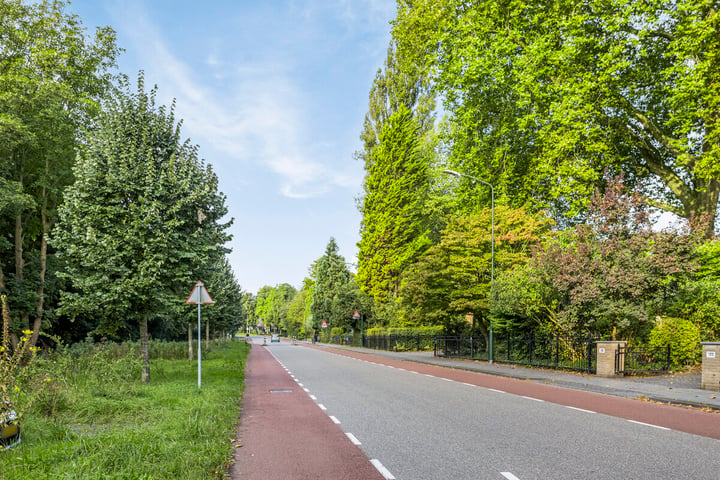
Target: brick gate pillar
[[606, 351], [711, 365]]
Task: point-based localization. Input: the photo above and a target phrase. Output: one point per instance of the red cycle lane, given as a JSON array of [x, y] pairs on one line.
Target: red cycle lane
[[283, 434], [678, 418]]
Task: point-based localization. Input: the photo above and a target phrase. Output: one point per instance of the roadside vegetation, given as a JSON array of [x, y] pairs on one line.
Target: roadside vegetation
[[582, 137], [86, 414]]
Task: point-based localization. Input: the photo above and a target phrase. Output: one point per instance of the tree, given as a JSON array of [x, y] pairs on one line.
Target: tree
[[52, 76], [613, 275], [141, 220], [331, 274], [398, 83], [543, 97], [452, 279], [394, 223]]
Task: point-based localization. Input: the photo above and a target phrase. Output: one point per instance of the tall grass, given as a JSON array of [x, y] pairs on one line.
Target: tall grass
[[95, 419]]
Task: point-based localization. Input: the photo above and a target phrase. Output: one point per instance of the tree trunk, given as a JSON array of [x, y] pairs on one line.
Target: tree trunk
[[190, 342], [37, 322], [145, 348]]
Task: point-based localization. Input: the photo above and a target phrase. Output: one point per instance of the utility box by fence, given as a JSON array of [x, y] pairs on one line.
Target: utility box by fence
[[711, 365], [606, 358]]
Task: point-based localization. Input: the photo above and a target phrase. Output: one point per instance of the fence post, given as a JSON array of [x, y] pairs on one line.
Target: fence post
[[557, 350], [607, 351], [667, 359], [710, 379]]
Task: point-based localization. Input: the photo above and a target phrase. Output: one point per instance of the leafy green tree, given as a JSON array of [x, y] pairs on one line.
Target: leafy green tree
[[613, 275], [348, 300], [52, 75], [143, 217], [263, 306], [331, 274], [452, 279], [394, 224], [700, 296], [543, 97]]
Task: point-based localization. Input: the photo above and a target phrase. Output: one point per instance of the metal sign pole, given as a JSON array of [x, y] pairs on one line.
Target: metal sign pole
[[199, 341], [199, 295]]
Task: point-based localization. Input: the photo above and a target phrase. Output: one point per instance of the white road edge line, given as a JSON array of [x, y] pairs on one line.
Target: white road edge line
[[496, 390], [509, 476], [531, 398], [335, 420], [313, 397], [381, 468], [648, 425], [580, 409], [322, 407], [353, 439]]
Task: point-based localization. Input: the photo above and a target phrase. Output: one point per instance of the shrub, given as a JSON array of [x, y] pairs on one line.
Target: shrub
[[682, 335]]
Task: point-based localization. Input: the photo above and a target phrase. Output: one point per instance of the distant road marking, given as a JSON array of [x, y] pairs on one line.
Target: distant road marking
[[306, 390], [531, 398], [313, 397], [335, 420], [580, 409], [509, 476], [496, 390], [381, 468], [353, 439], [322, 407], [468, 384], [648, 425]]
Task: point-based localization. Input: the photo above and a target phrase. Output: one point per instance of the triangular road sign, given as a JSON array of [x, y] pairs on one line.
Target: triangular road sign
[[200, 295]]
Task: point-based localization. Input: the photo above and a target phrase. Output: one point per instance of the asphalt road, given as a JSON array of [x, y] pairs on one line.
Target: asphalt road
[[422, 426]]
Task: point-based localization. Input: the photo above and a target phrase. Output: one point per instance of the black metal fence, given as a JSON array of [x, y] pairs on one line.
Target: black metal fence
[[549, 351], [639, 359], [393, 343], [461, 347]]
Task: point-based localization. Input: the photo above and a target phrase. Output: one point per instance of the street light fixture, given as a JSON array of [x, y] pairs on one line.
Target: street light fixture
[[492, 243]]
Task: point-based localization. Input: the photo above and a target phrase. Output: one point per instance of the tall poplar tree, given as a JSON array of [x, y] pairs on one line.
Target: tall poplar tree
[[394, 223], [142, 218]]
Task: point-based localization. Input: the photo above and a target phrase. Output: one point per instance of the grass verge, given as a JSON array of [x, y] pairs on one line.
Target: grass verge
[[94, 419]]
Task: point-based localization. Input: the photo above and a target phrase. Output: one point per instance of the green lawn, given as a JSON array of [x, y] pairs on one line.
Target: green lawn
[[94, 419]]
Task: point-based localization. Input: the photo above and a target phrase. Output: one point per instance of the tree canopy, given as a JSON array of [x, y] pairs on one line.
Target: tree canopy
[[143, 216], [543, 97], [52, 78]]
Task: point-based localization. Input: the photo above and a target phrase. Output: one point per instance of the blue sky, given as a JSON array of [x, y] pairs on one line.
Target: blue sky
[[274, 92]]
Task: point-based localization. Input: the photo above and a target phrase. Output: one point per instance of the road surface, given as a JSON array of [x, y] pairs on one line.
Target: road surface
[[425, 422]]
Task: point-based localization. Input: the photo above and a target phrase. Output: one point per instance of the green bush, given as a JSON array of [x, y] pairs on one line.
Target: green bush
[[682, 335], [430, 330]]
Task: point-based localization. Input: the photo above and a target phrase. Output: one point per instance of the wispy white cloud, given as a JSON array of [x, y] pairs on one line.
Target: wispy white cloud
[[259, 116]]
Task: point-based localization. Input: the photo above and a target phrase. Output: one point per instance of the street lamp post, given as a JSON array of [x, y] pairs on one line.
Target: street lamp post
[[492, 244]]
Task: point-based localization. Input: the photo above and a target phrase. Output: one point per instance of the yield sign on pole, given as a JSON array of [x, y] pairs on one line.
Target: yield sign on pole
[[199, 296]]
